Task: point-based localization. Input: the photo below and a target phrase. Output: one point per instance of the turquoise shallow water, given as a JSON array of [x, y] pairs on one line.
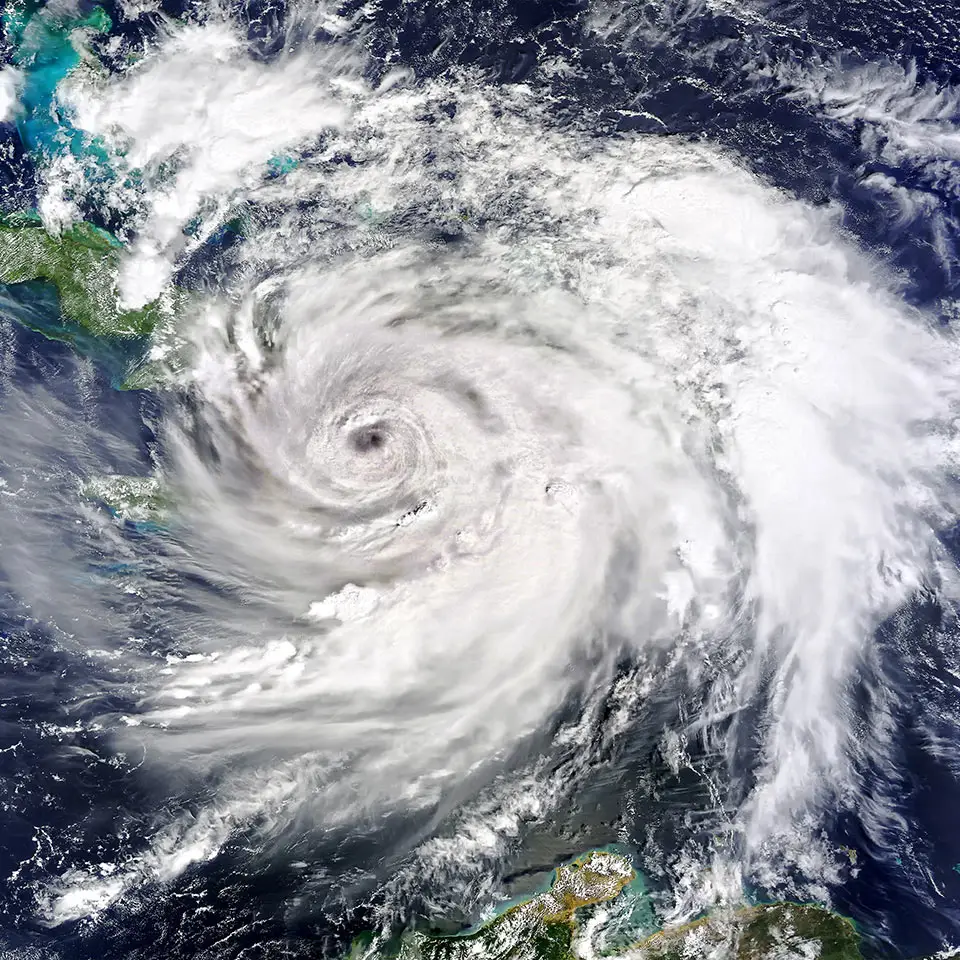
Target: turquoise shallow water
[[45, 51]]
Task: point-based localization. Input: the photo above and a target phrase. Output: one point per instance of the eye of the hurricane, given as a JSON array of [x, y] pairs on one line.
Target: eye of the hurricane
[[369, 439]]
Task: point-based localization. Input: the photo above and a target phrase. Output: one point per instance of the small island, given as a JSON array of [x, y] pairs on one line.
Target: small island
[[545, 927], [142, 501]]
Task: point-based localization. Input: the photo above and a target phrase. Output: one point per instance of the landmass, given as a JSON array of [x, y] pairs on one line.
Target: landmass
[[82, 264], [545, 927], [776, 930], [138, 500], [139, 348]]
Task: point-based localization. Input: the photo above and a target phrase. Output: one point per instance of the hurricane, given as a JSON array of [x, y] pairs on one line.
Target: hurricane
[[494, 451]]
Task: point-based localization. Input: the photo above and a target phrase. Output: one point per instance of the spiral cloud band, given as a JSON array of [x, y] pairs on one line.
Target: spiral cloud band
[[438, 512]]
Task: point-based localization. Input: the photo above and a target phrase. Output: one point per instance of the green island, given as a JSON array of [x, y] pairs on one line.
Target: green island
[[82, 264], [545, 927], [78, 302], [139, 500]]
